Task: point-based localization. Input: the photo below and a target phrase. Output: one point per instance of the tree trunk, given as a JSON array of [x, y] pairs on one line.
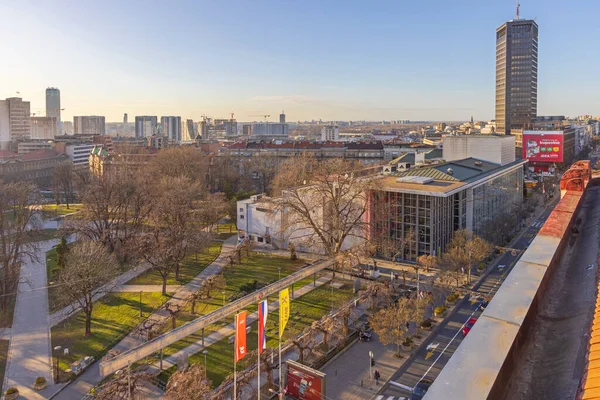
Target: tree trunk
[[164, 285], [177, 271], [193, 304], [88, 321]]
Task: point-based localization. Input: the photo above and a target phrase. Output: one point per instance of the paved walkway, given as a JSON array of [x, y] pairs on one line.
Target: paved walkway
[[146, 288], [91, 377], [29, 350], [229, 330], [5, 333]]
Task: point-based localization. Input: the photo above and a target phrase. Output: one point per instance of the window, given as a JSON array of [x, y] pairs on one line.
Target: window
[[241, 216], [241, 209]]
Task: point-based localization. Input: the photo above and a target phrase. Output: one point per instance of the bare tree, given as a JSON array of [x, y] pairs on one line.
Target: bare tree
[[64, 182], [427, 261], [263, 169], [303, 342], [121, 387], [88, 266], [464, 250], [326, 326], [213, 283], [18, 220], [322, 203], [190, 383]]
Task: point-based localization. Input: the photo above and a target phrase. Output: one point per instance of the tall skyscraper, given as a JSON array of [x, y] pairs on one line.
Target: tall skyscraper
[[145, 126], [171, 128], [125, 118], [516, 74], [53, 106], [15, 120], [282, 117], [89, 125]]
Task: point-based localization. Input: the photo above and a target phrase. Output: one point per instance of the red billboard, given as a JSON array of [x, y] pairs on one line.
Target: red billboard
[[543, 146], [304, 383]]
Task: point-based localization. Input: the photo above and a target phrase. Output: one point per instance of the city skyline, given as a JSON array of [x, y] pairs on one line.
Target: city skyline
[[326, 61]]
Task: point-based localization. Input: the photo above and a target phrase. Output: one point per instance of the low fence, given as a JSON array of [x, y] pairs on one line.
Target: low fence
[[482, 365]]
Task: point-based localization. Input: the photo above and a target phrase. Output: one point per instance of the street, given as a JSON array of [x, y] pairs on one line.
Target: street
[[430, 359]]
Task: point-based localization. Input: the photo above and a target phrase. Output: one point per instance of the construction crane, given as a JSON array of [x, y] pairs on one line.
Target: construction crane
[[265, 116]]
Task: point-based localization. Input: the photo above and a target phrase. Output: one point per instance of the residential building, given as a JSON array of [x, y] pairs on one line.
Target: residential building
[[516, 75], [203, 130], [43, 128], [53, 106], [270, 129], [78, 153], [36, 167], [34, 145], [499, 149], [67, 128], [157, 142], [104, 163], [282, 118], [546, 148], [145, 126], [171, 128], [125, 118], [89, 125], [189, 132], [15, 120], [246, 130], [330, 132]]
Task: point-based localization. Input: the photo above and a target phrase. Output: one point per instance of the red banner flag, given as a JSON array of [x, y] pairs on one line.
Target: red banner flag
[[240, 336]]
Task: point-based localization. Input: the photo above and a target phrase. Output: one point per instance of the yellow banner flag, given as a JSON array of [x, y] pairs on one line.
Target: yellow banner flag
[[284, 310]]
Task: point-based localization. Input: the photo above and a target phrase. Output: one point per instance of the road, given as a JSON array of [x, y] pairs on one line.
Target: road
[[428, 362]]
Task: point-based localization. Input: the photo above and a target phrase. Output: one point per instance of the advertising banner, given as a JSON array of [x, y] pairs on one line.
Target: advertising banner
[[543, 147], [240, 336], [304, 383], [284, 310]]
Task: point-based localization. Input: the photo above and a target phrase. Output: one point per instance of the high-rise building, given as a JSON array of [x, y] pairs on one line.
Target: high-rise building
[[145, 126], [516, 74], [269, 129], [282, 117], [15, 120], [125, 118], [53, 106], [43, 127], [203, 130], [246, 130], [89, 125], [330, 132], [171, 128], [189, 132]]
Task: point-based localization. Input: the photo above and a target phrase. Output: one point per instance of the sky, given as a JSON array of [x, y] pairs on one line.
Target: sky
[[315, 59]]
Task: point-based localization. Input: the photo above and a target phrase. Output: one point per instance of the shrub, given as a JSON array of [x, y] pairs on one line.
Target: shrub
[[426, 324], [407, 341], [249, 287], [12, 390], [481, 266], [439, 310], [40, 380], [452, 297]]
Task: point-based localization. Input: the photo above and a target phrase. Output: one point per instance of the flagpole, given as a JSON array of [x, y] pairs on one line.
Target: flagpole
[[235, 362], [280, 366], [259, 348]]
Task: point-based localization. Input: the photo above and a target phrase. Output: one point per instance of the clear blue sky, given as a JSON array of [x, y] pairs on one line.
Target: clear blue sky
[[317, 59]]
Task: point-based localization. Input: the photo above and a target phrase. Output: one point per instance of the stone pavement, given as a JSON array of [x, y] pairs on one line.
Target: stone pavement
[[29, 350], [91, 377], [229, 330]]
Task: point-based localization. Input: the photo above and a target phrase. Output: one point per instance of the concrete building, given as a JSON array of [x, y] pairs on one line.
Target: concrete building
[[499, 149], [171, 128], [105, 163], [270, 129], [53, 106], [15, 121], [330, 132], [516, 75], [89, 125], [145, 126], [78, 153], [31, 146], [246, 130], [282, 118], [125, 118], [189, 131], [36, 167], [43, 128], [203, 130], [67, 128]]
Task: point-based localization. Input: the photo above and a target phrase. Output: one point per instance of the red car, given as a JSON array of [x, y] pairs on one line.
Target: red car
[[467, 327]]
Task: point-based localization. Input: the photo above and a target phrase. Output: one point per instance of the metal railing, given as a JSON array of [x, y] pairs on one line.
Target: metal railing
[[129, 357]]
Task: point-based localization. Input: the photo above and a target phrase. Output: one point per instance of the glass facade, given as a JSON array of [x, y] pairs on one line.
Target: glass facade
[[494, 199], [516, 74]]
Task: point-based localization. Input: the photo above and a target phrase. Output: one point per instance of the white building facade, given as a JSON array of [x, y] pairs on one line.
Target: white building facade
[[330, 133], [499, 149]]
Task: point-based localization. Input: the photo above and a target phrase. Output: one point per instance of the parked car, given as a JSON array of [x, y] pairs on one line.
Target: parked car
[[420, 389], [467, 328]]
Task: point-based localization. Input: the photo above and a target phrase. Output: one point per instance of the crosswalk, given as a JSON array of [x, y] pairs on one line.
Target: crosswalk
[[537, 224], [384, 397]]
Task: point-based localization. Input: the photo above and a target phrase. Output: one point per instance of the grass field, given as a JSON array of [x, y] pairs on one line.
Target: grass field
[[303, 311], [53, 210], [187, 271], [3, 355], [113, 317], [225, 231]]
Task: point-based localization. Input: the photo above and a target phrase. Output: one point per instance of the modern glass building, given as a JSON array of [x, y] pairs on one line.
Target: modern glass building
[[516, 75], [53, 107], [415, 212]]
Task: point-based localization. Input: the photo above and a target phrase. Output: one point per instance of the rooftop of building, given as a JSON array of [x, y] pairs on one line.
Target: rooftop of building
[[40, 155]]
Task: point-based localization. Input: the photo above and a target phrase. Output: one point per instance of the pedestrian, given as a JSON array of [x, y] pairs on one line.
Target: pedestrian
[[407, 325], [377, 376]]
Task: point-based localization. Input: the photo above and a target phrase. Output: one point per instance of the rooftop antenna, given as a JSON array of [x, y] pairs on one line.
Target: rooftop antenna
[[518, 6]]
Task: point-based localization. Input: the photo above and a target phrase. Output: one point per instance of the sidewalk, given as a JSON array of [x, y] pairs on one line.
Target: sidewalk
[[146, 288], [229, 330], [29, 352], [91, 377]]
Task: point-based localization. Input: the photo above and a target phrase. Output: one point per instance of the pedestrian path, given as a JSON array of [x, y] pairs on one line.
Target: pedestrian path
[[29, 350], [5, 333], [229, 330], [146, 288], [91, 377]]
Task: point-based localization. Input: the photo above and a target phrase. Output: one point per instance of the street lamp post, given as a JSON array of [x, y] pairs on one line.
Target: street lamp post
[[279, 273], [370, 364], [140, 303], [57, 349], [205, 352], [223, 293]]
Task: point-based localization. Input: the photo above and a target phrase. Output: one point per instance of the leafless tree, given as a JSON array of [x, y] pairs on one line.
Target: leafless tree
[[263, 169], [87, 267], [322, 202], [125, 384], [303, 343], [190, 383], [19, 219], [64, 182]]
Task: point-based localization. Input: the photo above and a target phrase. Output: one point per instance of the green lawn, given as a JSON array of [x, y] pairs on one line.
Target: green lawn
[[3, 355], [303, 311], [225, 231], [260, 267], [187, 271], [53, 210], [114, 316]]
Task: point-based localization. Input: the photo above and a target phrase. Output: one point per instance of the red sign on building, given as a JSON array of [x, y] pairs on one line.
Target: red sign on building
[[543, 146], [304, 383]]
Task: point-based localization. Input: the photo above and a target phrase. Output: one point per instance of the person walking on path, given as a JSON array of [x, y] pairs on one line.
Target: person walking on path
[[377, 376]]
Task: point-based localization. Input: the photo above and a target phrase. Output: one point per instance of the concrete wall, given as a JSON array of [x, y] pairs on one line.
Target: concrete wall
[[499, 150], [482, 365]]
